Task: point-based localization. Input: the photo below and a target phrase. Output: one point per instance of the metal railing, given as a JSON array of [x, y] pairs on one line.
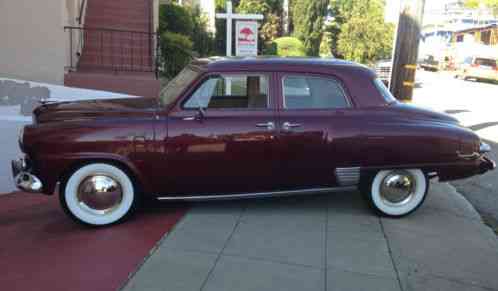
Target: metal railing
[[81, 12], [112, 49]]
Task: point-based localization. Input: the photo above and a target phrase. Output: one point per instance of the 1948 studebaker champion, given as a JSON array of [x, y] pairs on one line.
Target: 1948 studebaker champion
[[239, 128]]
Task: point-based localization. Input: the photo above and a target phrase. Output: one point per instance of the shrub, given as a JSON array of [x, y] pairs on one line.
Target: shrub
[[175, 18], [203, 41], [176, 53], [289, 47]]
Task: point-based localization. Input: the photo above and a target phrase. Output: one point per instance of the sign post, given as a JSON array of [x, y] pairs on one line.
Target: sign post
[[229, 16]]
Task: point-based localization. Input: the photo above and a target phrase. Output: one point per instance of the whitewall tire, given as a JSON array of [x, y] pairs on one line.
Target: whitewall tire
[[98, 194], [398, 193]]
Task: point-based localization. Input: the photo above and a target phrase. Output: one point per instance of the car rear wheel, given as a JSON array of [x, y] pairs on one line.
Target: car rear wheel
[[98, 194], [397, 193]]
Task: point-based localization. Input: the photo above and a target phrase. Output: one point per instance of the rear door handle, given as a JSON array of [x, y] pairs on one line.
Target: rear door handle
[[268, 125], [288, 126]]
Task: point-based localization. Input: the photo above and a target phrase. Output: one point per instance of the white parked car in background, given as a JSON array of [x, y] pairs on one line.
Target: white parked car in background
[[478, 68]]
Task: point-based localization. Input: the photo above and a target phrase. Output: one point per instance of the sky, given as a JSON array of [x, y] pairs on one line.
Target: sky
[[431, 7]]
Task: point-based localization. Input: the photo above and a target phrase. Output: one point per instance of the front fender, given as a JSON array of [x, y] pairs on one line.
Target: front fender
[[53, 169]]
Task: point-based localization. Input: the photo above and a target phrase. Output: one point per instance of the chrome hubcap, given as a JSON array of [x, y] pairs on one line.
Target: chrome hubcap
[[99, 194], [397, 188]]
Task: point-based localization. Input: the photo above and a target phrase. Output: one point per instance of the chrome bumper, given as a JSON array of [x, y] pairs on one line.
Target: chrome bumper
[[486, 165], [484, 148], [23, 179]]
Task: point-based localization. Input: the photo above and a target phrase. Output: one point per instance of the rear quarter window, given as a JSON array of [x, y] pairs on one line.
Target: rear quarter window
[[388, 97]]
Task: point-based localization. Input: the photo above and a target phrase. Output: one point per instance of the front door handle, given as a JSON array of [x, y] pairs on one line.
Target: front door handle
[[288, 126], [268, 125]]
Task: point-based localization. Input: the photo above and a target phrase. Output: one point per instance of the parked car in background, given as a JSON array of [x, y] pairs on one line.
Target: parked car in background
[[430, 63], [383, 70], [228, 128], [478, 68]]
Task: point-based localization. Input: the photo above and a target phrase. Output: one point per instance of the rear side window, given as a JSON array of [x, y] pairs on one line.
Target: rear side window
[[384, 91], [310, 92]]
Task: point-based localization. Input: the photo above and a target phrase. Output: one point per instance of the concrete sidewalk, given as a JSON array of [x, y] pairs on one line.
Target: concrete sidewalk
[[327, 242]]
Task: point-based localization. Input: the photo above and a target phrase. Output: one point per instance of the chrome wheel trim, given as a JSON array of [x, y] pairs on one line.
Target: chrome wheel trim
[[99, 194], [398, 188], [70, 194], [416, 198]]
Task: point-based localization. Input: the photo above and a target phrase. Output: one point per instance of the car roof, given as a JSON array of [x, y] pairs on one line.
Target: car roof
[[310, 64]]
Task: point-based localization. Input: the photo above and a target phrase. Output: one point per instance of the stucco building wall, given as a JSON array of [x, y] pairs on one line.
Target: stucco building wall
[[33, 43]]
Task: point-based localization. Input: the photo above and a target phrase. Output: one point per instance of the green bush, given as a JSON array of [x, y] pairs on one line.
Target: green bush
[[175, 18], [287, 47], [203, 41], [176, 53]]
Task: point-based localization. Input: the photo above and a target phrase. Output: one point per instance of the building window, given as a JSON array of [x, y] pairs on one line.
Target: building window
[[486, 37]]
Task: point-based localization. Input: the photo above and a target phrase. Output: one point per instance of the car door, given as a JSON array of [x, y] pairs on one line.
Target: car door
[[316, 134], [221, 137]]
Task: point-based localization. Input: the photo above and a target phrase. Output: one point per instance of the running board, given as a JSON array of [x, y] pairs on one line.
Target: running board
[[259, 194]]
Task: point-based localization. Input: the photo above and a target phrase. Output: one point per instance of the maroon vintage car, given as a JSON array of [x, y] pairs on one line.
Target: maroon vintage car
[[240, 128]]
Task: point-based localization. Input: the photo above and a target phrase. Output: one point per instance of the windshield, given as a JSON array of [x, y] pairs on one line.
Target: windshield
[[384, 91], [176, 86]]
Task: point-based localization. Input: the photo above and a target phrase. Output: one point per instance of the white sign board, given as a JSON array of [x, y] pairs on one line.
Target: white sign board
[[246, 43]]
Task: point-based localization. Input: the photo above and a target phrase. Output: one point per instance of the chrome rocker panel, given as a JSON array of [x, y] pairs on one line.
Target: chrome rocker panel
[[259, 194]]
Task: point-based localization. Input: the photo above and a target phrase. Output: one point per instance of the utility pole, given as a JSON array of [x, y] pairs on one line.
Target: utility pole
[[406, 49]]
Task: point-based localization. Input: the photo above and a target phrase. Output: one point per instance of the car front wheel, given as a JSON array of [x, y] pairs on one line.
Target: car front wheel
[[98, 194], [397, 193]]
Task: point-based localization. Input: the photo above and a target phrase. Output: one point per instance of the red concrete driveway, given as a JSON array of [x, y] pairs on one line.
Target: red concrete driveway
[[42, 249]]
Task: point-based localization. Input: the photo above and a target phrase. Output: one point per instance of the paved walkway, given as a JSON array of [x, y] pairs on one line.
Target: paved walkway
[[327, 242]]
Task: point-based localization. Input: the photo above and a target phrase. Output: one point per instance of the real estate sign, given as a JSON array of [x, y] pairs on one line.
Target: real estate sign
[[246, 43]]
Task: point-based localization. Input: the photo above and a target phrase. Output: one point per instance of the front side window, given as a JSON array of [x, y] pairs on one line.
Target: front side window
[[310, 92], [231, 92]]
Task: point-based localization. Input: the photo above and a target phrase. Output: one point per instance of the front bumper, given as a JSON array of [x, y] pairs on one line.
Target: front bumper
[[486, 164], [23, 178]]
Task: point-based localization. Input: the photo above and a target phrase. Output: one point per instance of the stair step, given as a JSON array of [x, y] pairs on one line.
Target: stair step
[[118, 62], [106, 19], [117, 50]]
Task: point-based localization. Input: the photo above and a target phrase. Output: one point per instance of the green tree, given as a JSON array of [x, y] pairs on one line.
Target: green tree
[[364, 37], [288, 47], [175, 18], [492, 5], [340, 11], [203, 41], [308, 18]]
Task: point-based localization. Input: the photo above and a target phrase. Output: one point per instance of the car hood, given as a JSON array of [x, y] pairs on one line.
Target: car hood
[[421, 113], [94, 109]]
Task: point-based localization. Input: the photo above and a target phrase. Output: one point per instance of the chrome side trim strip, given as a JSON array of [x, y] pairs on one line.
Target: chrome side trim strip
[[258, 194], [348, 176], [472, 156]]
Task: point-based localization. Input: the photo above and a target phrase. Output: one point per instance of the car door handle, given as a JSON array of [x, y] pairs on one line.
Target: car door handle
[[268, 125], [287, 126]]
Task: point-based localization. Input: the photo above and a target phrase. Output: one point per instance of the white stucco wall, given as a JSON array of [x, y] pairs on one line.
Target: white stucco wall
[[32, 39]]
